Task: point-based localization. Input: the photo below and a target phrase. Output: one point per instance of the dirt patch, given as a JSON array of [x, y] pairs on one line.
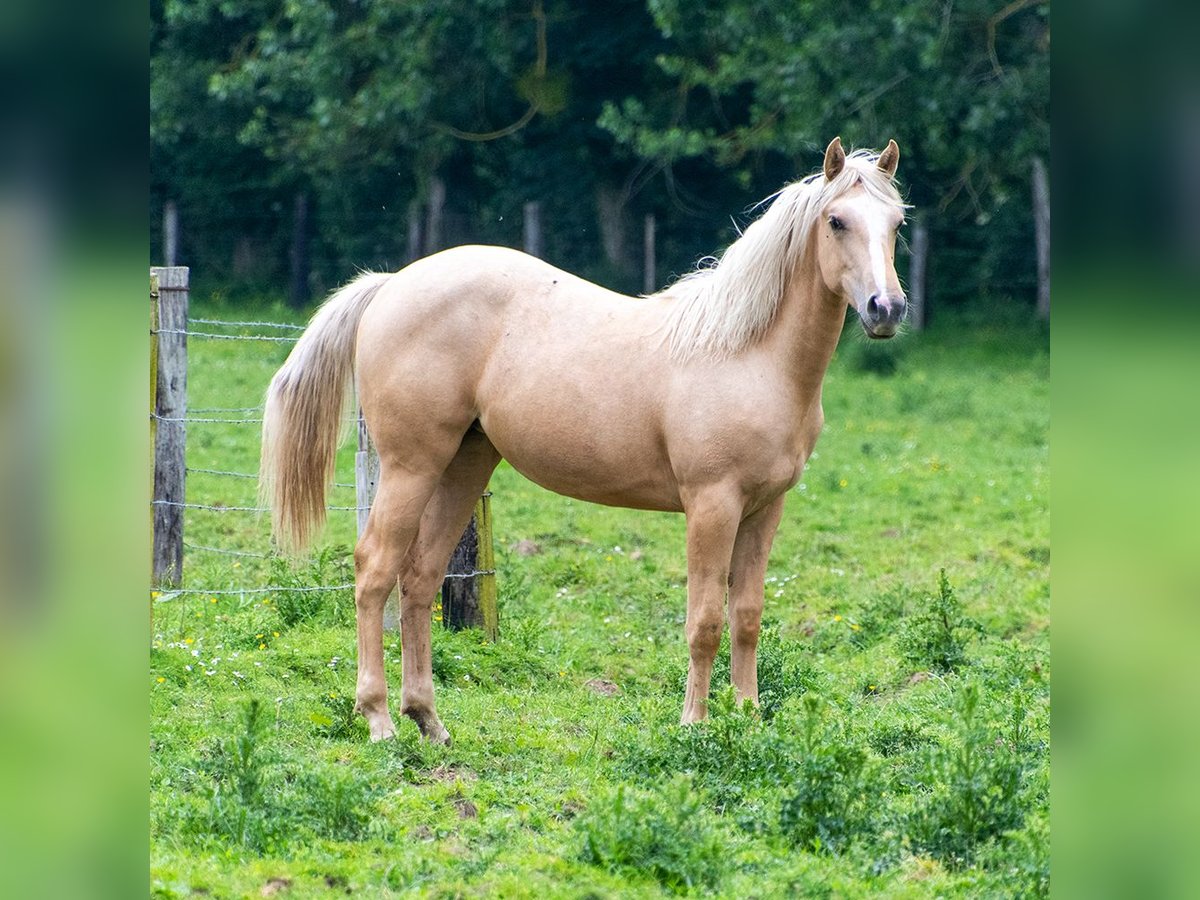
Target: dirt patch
[[274, 886], [445, 774], [526, 548], [466, 809], [603, 687]]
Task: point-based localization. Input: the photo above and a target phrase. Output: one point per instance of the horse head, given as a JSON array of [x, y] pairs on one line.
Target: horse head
[[856, 248]]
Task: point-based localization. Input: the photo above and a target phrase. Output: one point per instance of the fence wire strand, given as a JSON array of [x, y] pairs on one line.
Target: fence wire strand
[[285, 325], [226, 337]]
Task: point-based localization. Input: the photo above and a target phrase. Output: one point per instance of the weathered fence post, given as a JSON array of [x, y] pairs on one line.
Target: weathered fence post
[[533, 228], [170, 232], [169, 393], [469, 590], [649, 276], [366, 482], [918, 250], [1041, 222]]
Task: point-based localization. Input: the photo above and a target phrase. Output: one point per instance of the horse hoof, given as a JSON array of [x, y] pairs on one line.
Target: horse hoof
[[382, 730], [437, 735]]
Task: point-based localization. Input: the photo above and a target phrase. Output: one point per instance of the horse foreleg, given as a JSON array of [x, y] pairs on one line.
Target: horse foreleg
[[712, 524], [750, 553], [442, 524], [378, 555]]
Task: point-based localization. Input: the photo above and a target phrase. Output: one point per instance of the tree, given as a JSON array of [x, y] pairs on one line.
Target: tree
[[963, 87]]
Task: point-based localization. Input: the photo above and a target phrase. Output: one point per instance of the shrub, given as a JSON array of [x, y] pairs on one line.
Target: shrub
[[827, 805], [667, 833], [263, 804], [331, 565], [976, 781], [936, 637]]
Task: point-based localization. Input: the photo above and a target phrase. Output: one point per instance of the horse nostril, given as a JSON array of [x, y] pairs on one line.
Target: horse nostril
[[873, 306]]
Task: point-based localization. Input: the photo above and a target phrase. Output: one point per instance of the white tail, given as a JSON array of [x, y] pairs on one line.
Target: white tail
[[301, 417]]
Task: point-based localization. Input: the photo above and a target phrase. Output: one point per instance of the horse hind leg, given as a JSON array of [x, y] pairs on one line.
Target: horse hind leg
[[442, 524], [378, 558]]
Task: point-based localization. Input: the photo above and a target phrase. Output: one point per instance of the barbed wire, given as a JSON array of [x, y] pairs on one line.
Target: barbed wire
[[168, 594], [188, 546], [247, 324], [226, 337], [217, 421], [179, 505]]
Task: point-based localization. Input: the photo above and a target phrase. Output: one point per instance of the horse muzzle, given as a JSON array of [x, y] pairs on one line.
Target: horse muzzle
[[881, 316]]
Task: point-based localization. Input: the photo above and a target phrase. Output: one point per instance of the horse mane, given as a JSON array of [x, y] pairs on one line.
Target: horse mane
[[725, 307]]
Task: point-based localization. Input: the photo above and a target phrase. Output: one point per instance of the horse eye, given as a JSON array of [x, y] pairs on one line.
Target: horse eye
[[836, 224]]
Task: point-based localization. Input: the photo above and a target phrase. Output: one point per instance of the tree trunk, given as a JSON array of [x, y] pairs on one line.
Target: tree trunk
[[610, 208], [436, 215], [533, 228], [918, 249], [649, 263], [1041, 222], [298, 293], [414, 231]]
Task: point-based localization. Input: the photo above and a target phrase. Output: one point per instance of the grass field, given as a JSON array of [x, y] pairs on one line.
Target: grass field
[[902, 748]]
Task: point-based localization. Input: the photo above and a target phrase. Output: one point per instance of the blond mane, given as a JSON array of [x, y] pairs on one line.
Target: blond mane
[[724, 308]]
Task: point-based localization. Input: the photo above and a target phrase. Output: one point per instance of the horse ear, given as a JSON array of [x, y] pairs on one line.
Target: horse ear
[[889, 159], [835, 159]]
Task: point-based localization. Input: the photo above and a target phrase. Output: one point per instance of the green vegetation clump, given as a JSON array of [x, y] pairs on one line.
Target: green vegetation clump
[[667, 833], [937, 636]]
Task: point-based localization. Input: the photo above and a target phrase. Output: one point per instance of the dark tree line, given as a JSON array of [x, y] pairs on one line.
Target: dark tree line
[[301, 139]]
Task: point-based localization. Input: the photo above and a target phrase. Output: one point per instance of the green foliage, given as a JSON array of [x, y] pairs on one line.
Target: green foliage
[[828, 803], [468, 657], [689, 113], [876, 357], [936, 637], [667, 833], [258, 802], [977, 779], [331, 565]]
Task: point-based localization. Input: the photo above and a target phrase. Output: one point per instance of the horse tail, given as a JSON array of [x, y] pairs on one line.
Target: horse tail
[[302, 413]]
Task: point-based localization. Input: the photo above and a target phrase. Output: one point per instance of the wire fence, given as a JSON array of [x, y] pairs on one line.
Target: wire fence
[[171, 419], [222, 330]]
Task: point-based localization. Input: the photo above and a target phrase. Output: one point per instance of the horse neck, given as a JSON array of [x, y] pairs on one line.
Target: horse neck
[[807, 327]]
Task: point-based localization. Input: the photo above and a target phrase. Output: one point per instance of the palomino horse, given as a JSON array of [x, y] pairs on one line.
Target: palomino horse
[[704, 399]]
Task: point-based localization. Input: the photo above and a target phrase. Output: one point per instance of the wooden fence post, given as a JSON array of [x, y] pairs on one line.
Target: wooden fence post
[[1041, 221], [918, 250], [366, 482], [469, 590], [170, 232], [533, 228], [169, 362], [649, 276]]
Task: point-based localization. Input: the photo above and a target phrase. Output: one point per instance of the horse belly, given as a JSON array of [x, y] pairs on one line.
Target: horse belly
[[590, 455]]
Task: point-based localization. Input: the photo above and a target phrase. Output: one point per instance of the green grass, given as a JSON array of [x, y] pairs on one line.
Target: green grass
[[902, 746]]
